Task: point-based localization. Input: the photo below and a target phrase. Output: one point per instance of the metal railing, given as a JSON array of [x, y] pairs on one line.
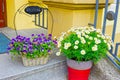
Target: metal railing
[[113, 56]]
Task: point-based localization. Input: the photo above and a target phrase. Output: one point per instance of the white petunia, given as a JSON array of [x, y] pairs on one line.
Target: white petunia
[[58, 54], [83, 52], [75, 47], [76, 42]]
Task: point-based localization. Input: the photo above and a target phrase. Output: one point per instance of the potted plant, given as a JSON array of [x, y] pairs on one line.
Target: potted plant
[[82, 46], [34, 50]]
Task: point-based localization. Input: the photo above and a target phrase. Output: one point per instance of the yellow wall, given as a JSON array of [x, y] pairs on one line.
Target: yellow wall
[[22, 20], [64, 19], [10, 12], [110, 23]]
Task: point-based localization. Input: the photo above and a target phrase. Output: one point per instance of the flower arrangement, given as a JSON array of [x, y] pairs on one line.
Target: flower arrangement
[[84, 44], [36, 46]]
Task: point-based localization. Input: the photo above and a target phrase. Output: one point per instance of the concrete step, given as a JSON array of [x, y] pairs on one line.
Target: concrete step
[[104, 70], [10, 69], [55, 69]]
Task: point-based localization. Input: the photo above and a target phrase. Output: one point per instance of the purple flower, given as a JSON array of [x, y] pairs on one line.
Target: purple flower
[[8, 48], [55, 42], [50, 35], [25, 51], [49, 38], [49, 51], [18, 48], [45, 40], [11, 43], [30, 49], [33, 35], [42, 34], [24, 47], [35, 40], [38, 35], [42, 49], [13, 40], [18, 37]]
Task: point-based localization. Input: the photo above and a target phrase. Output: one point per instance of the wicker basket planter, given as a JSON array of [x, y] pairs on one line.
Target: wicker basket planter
[[34, 62]]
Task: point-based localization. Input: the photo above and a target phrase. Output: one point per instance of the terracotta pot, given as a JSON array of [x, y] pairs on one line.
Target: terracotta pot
[[78, 71], [34, 62]]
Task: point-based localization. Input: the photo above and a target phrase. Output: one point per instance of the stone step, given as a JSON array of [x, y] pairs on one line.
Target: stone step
[[10, 69], [104, 70], [55, 69]]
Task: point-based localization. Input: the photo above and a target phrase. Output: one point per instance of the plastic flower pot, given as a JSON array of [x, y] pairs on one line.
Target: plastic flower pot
[[78, 71], [35, 61]]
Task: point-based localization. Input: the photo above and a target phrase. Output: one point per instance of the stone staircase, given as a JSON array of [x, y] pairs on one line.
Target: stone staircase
[[55, 69]]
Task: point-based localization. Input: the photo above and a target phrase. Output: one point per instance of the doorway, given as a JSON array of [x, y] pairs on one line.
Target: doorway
[[3, 21]]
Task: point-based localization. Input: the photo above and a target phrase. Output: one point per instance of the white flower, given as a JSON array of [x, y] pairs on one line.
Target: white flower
[[109, 47], [79, 35], [83, 34], [95, 38], [63, 33], [86, 36], [105, 41], [58, 53], [75, 47], [94, 48], [83, 52], [83, 41], [97, 41], [76, 42], [67, 45], [98, 36], [61, 38], [87, 32], [55, 37], [59, 44], [91, 38], [82, 38], [98, 31], [103, 36]]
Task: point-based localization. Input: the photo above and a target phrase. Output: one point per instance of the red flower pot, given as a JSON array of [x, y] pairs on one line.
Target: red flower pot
[[78, 71]]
